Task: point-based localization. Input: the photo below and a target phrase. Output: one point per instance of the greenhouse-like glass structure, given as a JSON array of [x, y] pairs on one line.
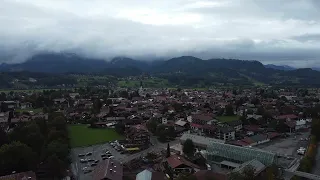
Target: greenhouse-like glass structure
[[218, 152]]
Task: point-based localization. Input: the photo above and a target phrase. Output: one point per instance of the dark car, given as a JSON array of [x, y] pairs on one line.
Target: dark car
[[103, 155], [96, 161], [93, 164], [91, 160], [89, 154]]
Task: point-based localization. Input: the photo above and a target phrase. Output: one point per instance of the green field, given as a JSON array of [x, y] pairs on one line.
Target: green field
[[81, 135], [227, 118], [28, 90], [27, 110], [151, 83]]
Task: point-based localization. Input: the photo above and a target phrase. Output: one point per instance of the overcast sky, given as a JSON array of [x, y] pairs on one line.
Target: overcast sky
[[271, 31]]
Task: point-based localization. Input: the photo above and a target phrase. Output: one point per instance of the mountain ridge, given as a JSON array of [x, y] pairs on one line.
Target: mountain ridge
[[183, 70]]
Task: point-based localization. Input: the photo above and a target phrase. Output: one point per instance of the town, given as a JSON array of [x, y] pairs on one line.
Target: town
[[160, 133]]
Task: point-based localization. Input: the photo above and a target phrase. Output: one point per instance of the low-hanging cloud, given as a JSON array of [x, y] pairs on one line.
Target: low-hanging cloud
[[275, 31]]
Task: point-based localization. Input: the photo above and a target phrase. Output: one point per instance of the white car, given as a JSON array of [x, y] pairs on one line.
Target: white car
[[301, 150], [111, 157], [83, 160]]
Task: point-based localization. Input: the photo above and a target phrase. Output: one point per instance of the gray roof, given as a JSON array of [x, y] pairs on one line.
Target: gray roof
[[225, 129], [200, 140], [259, 137], [257, 165], [234, 123], [181, 123]]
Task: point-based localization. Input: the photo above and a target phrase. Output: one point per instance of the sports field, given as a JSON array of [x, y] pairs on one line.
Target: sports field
[[82, 136]]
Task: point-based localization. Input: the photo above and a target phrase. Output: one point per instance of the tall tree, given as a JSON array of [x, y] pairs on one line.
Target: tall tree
[[229, 110], [96, 106], [18, 157], [3, 137], [56, 166], [168, 151], [188, 147]]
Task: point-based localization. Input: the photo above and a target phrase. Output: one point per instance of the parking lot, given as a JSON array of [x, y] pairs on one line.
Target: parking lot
[[287, 147], [97, 151]]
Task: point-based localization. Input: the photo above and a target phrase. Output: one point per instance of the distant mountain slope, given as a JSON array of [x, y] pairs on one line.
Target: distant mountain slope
[[280, 67], [182, 71]]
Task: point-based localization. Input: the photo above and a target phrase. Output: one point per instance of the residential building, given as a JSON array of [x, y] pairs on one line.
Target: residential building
[[149, 175], [178, 164], [237, 125], [225, 133], [138, 135]]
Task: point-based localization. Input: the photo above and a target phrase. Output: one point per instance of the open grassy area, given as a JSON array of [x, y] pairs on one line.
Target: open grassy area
[[149, 83], [27, 90], [81, 135], [228, 118], [38, 110]]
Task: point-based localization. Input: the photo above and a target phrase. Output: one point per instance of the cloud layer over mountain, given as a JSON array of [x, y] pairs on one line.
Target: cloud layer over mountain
[[273, 31]]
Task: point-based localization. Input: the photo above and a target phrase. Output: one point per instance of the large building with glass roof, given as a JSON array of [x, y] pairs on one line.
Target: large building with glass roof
[[232, 156]]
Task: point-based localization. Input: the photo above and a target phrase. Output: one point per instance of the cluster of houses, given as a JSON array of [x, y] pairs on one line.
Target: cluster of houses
[[196, 115]]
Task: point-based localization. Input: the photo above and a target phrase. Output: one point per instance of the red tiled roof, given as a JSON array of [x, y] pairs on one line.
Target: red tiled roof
[[175, 161], [287, 116], [202, 117], [253, 128], [247, 140], [196, 125], [240, 143], [208, 127]]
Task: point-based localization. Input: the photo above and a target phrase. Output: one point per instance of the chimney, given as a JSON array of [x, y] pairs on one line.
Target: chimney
[[110, 170], [111, 163], [114, 171], [115, 166]]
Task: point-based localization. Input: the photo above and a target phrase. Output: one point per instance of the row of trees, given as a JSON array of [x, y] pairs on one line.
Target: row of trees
[[38, 145]]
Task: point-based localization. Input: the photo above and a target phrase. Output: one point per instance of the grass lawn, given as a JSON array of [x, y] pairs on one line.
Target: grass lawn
[[81, 135], [38, 110], [228, 118]]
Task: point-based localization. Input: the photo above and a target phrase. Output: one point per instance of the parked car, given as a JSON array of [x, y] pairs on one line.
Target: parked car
[[89, 154], [103, 155], [87, 171], [301, 151], [96, 161], [81, 155], [93, 164], [111, 157], [83, 160], [91, 160], [104, 158]]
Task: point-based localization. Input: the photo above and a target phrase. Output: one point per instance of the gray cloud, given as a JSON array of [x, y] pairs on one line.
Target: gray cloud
[[274, 31]]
